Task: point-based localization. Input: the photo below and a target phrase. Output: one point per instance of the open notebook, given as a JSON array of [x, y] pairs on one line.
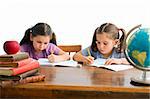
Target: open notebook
[[70, 63], [100, 63]]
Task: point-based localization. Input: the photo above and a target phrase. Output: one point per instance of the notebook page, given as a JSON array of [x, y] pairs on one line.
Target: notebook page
[[100, 63], [71, 63], [117, 67]]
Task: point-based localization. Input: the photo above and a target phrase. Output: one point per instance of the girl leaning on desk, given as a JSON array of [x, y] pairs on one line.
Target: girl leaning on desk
[[107, 43], [37, 42]]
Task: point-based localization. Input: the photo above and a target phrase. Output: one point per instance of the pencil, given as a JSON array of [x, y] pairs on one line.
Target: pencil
[[52, 51], [88, 50]]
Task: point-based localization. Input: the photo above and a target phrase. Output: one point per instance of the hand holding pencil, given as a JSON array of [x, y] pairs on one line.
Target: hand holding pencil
[[89, 59], [51, 57]]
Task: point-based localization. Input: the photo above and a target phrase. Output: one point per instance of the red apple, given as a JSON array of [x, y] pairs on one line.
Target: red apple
[[11, 47]]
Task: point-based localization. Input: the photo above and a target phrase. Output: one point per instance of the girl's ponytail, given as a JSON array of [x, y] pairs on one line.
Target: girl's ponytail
[[121, 40], [53, 39], [93, 45], [26, 38]]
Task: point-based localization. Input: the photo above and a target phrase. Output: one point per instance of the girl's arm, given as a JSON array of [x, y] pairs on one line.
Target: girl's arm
[[81, 58], [116, 61], [62, 56], [124, 61]]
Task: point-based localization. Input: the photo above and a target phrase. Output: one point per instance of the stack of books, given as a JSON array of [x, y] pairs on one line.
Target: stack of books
[[19, 68]]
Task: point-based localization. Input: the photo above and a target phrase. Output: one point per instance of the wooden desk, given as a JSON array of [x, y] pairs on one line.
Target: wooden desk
[[79, 83]]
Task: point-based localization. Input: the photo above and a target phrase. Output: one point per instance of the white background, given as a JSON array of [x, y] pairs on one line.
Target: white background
[[73, 21]]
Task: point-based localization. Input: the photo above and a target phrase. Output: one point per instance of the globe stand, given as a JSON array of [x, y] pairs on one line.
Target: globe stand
[[144, 80], [137, 53]]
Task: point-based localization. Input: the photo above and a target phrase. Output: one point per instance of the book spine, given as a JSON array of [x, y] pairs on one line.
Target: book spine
[[24, 62], [16, 63], [19, 77], [20, 57], [32, 79], [3, 77], [28, 73], [13, 57], [32, 65]]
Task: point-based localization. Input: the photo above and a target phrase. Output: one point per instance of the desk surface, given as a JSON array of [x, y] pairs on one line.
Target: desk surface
[[88, 81]]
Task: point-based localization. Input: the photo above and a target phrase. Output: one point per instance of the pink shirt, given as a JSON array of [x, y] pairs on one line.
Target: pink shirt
[[44, 54]]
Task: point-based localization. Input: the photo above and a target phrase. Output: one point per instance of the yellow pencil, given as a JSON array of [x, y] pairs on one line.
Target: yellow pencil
[[88, 50]]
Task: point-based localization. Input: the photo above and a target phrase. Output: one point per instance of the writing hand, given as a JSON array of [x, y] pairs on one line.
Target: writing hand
[[51, 58], [89, 60]]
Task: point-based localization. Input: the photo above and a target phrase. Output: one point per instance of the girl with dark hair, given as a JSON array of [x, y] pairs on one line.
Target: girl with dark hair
[[107, 43], [36, 42]]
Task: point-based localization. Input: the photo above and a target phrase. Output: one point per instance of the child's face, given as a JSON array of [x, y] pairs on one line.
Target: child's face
[[105, 44], [40, 42]]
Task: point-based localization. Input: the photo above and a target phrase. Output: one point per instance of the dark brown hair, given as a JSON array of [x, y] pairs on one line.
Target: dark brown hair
[[113, 31], [39, 29]]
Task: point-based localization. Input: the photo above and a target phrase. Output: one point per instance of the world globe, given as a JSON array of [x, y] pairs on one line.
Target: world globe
[[137, 50]]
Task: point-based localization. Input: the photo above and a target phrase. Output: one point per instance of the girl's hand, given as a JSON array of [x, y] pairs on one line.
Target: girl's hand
[[113, 61], [88, 60], [52, 58]]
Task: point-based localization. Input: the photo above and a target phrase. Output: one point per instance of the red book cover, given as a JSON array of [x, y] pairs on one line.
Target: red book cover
[[16, 63], [15, 71]]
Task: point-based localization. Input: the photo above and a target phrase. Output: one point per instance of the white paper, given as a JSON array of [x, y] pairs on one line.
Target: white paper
[[116, 67], [45, 61], [100, 63]]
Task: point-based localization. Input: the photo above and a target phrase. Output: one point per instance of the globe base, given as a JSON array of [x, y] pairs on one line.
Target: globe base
[[144, 80], [140, 82]]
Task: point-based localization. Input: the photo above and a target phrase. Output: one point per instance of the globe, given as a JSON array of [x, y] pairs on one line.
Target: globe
[[138, 48], [137, 51]]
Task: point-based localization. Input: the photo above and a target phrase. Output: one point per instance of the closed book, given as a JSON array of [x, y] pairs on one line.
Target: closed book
[[14, 57], [10, 71], [20, 76], [16, 63], [31, 79]]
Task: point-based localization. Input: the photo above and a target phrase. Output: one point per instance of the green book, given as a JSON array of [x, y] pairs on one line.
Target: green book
[[13, 57]]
